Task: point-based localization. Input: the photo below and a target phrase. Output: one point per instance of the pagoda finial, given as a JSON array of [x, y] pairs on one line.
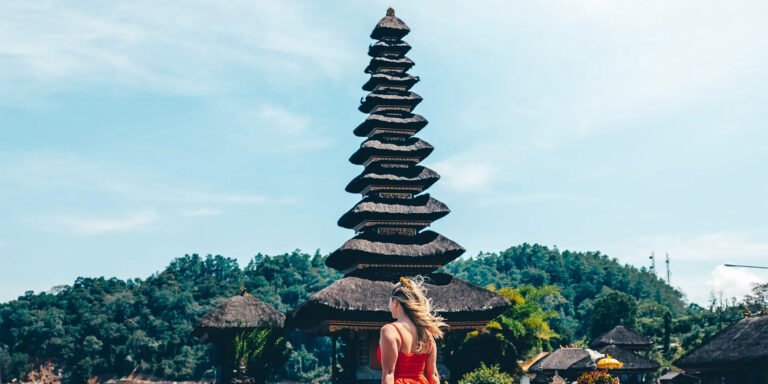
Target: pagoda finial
[[390, 11]]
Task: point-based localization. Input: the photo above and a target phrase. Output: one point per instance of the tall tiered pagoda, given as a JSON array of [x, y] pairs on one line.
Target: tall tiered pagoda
[[390, 222]]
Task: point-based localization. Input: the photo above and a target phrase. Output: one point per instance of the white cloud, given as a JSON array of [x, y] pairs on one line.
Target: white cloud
[[465, 175], [129, 221], [718, 247], [588, 68], [201, 212], [41, 171], [165, 194], [733, 282], [185, 47], [282, 120], [697, 258], [272, 128]]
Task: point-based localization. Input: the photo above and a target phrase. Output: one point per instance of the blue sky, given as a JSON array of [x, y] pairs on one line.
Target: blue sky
[[135, 132]]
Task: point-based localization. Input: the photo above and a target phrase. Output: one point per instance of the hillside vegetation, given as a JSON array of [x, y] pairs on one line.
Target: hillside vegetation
[[112, 327]]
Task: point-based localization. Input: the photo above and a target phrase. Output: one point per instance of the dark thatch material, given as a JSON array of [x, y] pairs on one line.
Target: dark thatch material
[[239, 313], [564, 359], [632, 361], [402, 64], [678, 378], [391, 120], [389, 97], [392, 79], [411, 147], [427, 247], [382, 47], [354, 298], [415, 176], [623, 337], [420, 208], [744, 344], [390, 27]]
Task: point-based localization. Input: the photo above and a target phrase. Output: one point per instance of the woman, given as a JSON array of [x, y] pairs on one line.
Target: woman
[[407, 349]]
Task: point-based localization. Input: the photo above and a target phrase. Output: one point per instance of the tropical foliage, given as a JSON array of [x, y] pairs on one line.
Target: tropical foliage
[[524, 327], [261, 352], [112, 327], [597, 377], [487, 375]]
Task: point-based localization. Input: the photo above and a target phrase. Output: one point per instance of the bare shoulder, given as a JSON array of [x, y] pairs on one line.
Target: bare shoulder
[[388, 331]]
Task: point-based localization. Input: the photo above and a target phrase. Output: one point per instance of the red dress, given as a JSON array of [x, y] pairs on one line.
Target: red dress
[[409, 367]]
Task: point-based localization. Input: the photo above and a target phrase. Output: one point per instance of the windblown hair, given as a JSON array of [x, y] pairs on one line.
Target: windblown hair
[[411, 294]]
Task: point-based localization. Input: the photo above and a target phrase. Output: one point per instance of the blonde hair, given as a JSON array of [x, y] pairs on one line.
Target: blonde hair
[[418, 307]]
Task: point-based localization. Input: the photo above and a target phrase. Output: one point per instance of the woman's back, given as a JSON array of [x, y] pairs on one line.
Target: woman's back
[[410, 365]]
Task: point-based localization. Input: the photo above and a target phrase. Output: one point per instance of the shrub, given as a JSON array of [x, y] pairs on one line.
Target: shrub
[[487, 375], [597, 377]]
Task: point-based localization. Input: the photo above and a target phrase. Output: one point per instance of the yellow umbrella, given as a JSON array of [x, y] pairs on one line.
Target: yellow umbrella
[[609, 362]]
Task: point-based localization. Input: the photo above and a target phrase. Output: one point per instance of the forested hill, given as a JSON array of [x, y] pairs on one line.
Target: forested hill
[[113, 327], [580, 276]]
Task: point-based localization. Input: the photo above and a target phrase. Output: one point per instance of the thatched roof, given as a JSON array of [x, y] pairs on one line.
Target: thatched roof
[[401, 63], [564, 359], [742, 344], [383, 46], [390, 27], [391, 120], [389, 97], [390, 78], [417, 175], [354, 298], [239, 313], [411, 147], [624, 337], [426, 247], [422, 208], [677, 377], [632, 361]]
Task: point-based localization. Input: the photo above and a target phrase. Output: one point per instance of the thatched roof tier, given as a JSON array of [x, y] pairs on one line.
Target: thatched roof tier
[[389, 97], [410, 148], [744, 344], [417, 177], [632, 361], [366, 302], [238, 313], [623, 337], [390, 27], [392, 79], [383, 47], [408, 122], [427, 248], [565, 359], [421, 208], [389, 64]]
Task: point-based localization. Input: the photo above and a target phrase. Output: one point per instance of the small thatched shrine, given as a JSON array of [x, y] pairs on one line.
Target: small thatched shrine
[[737, 354], [620, 343], [390, 222], [627, 346], [568, 363], [623, 337], [231, 318]]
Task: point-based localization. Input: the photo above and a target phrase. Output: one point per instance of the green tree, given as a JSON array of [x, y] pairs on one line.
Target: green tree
[[612, 309], [261, 351], [521, 330]]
